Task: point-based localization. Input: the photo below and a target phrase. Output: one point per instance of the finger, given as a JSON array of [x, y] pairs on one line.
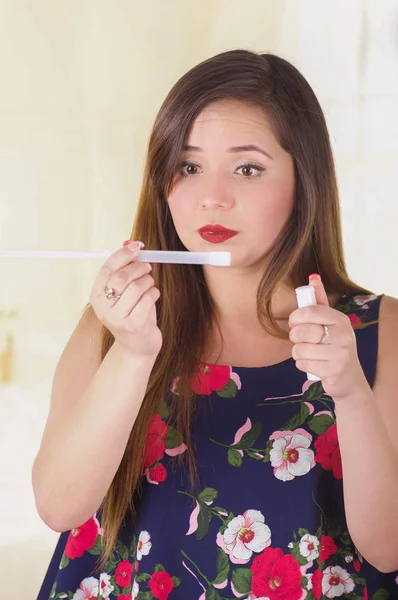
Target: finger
[[133, 294], [308, 333], [121, 279], [317, 315], [116, 261], [320, 368], [320, 293], [144, 307], [313, 352]]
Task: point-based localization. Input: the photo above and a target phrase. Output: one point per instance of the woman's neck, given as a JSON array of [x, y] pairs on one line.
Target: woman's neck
[[234, 293]]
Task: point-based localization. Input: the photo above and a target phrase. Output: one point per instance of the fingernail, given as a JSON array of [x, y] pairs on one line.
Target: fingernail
[[314, 276], [134, 245]]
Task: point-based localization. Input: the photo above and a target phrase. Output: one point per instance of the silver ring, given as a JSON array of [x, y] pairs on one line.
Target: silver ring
[[111, 294], [325, 337]]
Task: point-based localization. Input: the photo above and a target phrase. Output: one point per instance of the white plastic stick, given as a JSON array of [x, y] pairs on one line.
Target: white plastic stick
[[306, 297], [215, 259]]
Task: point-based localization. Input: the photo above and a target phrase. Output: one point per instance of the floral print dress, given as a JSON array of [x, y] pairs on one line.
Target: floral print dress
[[266, 521]]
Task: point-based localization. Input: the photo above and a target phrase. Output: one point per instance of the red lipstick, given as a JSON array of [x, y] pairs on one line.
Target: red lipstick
[[216, 234]]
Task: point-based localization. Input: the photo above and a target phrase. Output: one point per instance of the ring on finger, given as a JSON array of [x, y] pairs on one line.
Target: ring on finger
[[326, 335], [111, 294]]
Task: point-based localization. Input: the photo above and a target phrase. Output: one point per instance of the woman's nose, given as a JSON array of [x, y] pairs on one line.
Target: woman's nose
[[216, 193]]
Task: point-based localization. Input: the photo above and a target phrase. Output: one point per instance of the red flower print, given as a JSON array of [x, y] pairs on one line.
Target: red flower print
[[357, 565], [124, 597], [355, 320], [317, 584], [155, 444], [328, 452], [327, 547], [158, 474], [276, 576], [161, 585], [210, 378], [365, 593], [123, 573], [81, 539], [158, 427]]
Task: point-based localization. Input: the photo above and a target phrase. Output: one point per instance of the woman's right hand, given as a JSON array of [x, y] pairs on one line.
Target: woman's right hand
[[131, 318]]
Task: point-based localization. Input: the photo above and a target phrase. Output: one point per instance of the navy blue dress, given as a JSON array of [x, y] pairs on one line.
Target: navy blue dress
[[266, 520]]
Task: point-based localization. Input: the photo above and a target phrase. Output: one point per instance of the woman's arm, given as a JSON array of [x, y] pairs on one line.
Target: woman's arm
[[93, 409], [367, 424]]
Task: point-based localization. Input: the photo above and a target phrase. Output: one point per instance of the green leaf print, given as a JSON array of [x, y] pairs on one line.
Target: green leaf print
[[242, 580], [297, 555], [297, 419], [173, 439], [249, 437], [234, 457], [133, 547], [320, 424], [302, 531], [122, 550], [381, 595], [97, 548], [222, 567], [158, 568], [142, 577], [163, 411], [314, 392], [229, 391], [116, 588], [111, 564], [212, 594], [176, 581], [204, 518], [144, 596], [346, 539], [64, 562], [208, 495]]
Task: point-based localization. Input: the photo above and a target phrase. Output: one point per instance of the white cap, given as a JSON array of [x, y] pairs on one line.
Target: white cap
[[305, 296]]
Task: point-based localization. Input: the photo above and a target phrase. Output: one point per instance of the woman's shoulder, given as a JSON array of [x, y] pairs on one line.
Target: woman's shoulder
[[388, 329]]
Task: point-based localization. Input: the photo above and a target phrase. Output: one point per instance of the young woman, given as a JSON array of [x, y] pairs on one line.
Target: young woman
[[186, 455]]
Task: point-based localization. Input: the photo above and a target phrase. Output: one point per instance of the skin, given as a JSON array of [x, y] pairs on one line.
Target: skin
[[216, 185]]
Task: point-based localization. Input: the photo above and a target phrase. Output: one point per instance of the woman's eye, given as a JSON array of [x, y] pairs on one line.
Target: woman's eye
[[249, 170], [188, 169]]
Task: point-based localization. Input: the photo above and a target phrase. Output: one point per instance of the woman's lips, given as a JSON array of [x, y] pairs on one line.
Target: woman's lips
[[216, 234]]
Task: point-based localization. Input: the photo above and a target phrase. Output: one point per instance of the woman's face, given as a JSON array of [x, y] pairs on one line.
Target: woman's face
[[233, 174]]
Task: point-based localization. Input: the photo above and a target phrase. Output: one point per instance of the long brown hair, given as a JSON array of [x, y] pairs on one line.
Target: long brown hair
[[311, 240]]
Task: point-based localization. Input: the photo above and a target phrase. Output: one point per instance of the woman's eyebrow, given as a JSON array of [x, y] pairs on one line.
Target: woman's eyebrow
[[246, 148]]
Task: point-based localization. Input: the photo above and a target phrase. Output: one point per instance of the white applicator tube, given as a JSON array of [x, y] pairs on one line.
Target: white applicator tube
[[214, 259], [306, 297]]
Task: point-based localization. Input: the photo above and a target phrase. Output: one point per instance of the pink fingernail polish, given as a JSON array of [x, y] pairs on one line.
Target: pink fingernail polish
[[134, 245], [314, 276]]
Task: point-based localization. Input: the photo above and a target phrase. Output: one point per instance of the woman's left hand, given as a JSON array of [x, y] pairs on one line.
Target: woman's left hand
[[335, 360]]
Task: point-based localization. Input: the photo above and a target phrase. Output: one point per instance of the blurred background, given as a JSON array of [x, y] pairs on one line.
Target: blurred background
[[80, 84]]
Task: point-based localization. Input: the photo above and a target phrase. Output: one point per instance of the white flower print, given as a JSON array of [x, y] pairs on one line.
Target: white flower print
[[105, 585], [244, 535], [363, 299], [349, 558], [308, 546], [88, 589], [144, 545], [135, 590], [309, 581], [291, 455], [336, 582]]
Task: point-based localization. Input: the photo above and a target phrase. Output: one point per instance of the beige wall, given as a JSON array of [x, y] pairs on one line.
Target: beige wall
[[80, 83]]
